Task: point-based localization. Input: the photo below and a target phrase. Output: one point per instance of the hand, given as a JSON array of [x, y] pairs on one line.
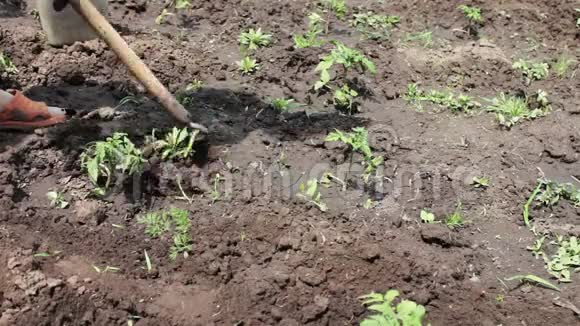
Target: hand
[[59, 5]]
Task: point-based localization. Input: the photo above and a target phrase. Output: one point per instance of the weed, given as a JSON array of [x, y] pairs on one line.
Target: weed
[[480, 182], [6, 64], [156, 223], [473, 14], [373, 26], [180, 218], [57, 199], [254, 39], [103, 158], [344, 97], [338, 7], [181, 245], [159, 20], [247, 65], [424, 38], [511, 110], [346, 57], [309, 39], [427, 217], [532, 70], [551, 192], [215, 192], [534, 280], [563, 64], [406, 312], [194, 86], [461, 103], [283, 105], [565, 260], [455, 219], [311, 194], [178, 143], [358, 142], [500, 298]]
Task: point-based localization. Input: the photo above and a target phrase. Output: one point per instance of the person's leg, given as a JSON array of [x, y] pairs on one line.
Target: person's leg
[[19, 112]]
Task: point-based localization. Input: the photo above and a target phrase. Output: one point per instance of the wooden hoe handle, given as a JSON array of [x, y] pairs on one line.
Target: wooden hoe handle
[[107, 33]]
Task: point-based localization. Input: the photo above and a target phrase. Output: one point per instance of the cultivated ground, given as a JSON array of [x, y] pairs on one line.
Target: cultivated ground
[[260, 255]]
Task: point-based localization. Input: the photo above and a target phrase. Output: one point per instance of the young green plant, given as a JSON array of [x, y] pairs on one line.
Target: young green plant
[[345, 57], [309, 191], [6, 64], [178, 143], [510, 110], [338, 7], [247, 65], [532, 70], [389, 313], [310, 38], [254, 39], [373, 26], [57, 199], [563, 64], [344, 99], [461, 103], [455, 219]]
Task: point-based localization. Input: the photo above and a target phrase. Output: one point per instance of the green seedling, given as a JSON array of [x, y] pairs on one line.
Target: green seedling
[[500, 298], [405, 313], [311, 194], [526, 210], [57, 199], [178, 143], [338, 7], [215, 192], [148, 262], [537, 247], [566, 259], [551, 192], [427, 217], [344, 99], [181, 245], [563, 65], [373, 26], [103, 159], [159, 20], [455, 219], [181, 4], [247, 65], [510, 110], [473, 14], [424, 38], [180, 218], [369, 203], [194, 86], [347, 58], [534, 280], [6, 64], [254, 39], [156, 223], [329, 178], [310, 38], [532, 70], [358, 142], [448, 100], [480, 182], [283, 105]]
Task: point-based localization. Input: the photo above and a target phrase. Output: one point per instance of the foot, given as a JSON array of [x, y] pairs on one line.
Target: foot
[[24, 113]]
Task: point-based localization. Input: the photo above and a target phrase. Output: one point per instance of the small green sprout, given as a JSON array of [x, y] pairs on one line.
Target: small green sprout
[[254, 39], [178, 143], [473, 14], [358, 142], [563, 65], [309, 39], [247, 65], [500, 298], [455, 219], [532, 70], [344, 98], [181, 245], [373, 26], [461, 103], [328, 178], [283, 105], [215, 192], [194, 86], [346, 57], [156, 223], [311, 194], [427, 217], [424, 38], [57, 199], [148, 262], [480, 182], [6, 64], [182, 4], [103, 158], [536, 248], [406, 312], [511, 110], [338, 7], [566, 259]]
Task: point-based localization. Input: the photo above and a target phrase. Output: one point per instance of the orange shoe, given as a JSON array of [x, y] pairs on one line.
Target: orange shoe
[[24, 114]]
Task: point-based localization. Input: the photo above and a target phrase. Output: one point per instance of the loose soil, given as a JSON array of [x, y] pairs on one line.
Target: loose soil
[[260, 255]]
